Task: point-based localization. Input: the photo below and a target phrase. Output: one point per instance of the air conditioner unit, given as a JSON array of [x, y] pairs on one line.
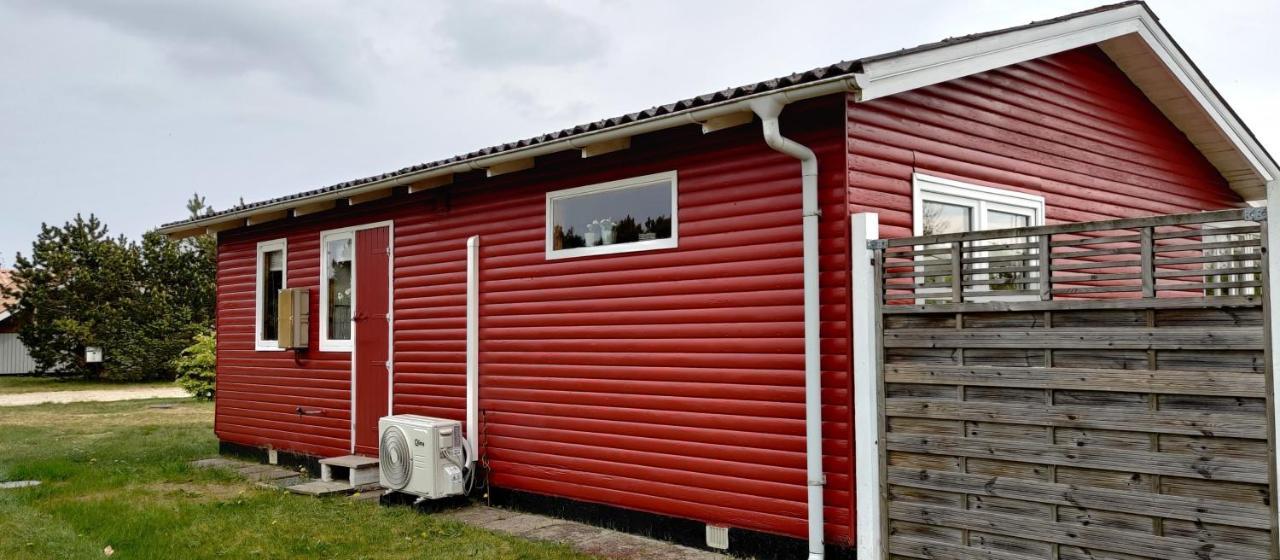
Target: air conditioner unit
[[422, 456]]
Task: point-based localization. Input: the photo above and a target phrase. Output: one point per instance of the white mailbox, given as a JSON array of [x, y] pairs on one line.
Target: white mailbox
[[93, 354]]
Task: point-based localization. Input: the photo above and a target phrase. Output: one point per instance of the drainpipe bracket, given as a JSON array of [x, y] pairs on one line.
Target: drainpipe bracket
[[816, 213], [819, 482]]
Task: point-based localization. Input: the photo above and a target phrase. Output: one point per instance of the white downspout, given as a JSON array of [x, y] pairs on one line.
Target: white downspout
[[473, 349], [768, 110]]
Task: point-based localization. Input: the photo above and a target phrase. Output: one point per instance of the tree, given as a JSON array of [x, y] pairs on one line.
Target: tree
[[142, 303], [197, 366]]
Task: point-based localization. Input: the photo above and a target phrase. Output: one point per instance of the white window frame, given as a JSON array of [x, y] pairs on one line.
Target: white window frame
[[1232, 277], [327, 344], [980, 199], [649, 245], [265, 247]]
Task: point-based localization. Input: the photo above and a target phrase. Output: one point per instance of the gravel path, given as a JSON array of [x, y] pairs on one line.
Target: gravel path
[[23, 399]]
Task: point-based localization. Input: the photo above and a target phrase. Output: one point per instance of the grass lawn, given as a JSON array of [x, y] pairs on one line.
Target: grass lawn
[[11, 384], [116, 474]]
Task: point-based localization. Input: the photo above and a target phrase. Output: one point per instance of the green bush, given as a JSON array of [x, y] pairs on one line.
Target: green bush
[[196, 366]]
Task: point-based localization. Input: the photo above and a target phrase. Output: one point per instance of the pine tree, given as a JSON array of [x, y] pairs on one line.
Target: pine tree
[[141, 303]]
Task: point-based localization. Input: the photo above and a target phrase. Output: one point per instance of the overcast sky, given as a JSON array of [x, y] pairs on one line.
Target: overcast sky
[[124, 108]]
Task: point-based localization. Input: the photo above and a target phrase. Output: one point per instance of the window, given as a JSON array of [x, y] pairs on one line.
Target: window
[[635, 214], [947, 206], [1237, 274], [337, 290], [270, 280]]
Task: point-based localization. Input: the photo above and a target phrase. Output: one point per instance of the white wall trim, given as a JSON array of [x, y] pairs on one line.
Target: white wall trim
[[868, 475], [980, 199], [328, 344], [391, 318], [669, 243], [391, 305], [923, 185], [282, 245]]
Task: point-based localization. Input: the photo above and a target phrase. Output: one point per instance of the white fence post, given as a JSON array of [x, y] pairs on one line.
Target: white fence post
[[866, 390], [1272, 328]]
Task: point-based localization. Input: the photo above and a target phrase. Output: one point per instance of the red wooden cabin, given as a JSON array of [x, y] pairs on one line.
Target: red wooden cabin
[[640, 290]]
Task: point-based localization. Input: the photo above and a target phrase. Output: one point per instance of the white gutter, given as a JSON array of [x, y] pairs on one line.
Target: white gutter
[[768, 109], [829, 86]]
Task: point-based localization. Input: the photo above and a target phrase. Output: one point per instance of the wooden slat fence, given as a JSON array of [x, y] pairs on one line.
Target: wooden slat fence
[[1108, 401]]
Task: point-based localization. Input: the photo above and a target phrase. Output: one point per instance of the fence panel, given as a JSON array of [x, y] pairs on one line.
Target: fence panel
[[1082, 391]]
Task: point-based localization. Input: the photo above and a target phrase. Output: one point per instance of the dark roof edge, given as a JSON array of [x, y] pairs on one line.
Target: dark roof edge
[[794, 87], [583, 133]]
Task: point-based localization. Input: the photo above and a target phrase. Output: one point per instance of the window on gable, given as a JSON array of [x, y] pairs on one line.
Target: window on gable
[[948, 206], [635, 214], [270, 280], [1237, 274]]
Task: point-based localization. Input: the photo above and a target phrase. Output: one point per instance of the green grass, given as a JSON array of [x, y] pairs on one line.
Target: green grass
[[11, 384], [116, 474]]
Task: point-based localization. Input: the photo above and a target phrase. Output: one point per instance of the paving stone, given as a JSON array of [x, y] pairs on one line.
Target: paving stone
[[371, 495], [480, 515], [9, 485], [215, 463], [523, 523], [623, 546], [564, 532], [320, 488], [585, 538], [274, 473], [281, 483], [252, 468]]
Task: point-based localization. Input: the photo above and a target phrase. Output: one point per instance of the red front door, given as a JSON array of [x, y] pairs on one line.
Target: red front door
[[373, 253]]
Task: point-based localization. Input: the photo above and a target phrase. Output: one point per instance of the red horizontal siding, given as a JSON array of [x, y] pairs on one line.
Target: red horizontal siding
[[1070, 127], [667, 381]]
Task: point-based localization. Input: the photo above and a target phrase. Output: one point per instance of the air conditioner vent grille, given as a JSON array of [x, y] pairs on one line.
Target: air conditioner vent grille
[[394, 458]]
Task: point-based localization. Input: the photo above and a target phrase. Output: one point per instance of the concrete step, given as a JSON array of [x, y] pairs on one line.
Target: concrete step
[[322, 488], [358, 470]]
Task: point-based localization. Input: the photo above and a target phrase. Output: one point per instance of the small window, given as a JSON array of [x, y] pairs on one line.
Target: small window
[[270, 280], [947, 206], [336, 291], [636, 214]]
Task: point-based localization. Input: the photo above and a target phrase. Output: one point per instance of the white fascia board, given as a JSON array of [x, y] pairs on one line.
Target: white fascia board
[[889, 76], [5, 315], [885, 77], [1213, 105]]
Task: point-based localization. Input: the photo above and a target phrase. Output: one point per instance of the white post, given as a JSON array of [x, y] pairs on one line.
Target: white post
[[473, 347], [1272, 291], [866, 390]]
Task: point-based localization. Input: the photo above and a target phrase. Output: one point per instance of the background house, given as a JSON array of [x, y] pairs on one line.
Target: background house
[[14, 358]]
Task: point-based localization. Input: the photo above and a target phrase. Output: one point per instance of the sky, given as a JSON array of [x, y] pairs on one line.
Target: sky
[[124, 108]]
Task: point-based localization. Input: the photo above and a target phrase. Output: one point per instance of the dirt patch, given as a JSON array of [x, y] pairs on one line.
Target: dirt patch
[[102, 395], [97, 419], [198, 491], [205, 491]]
